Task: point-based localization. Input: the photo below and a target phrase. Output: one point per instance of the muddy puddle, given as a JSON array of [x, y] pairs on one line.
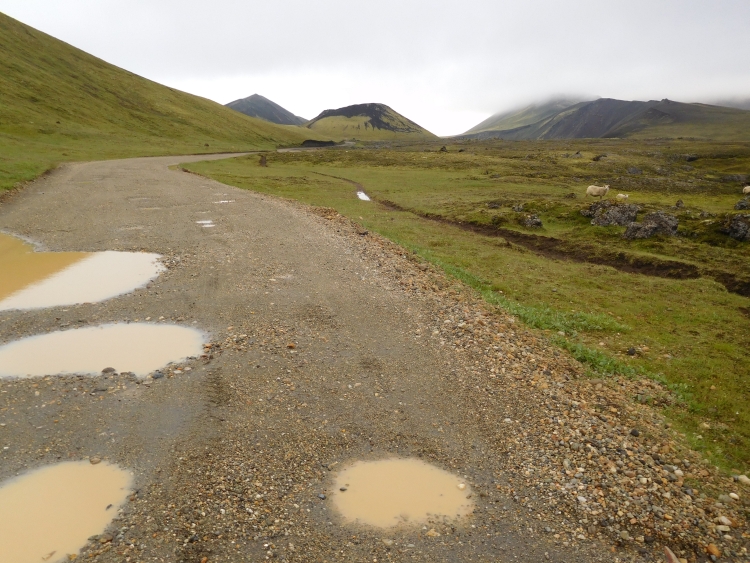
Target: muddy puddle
[[49, 513], [21, 266], [33, 280], [390, 492], [140, 348]]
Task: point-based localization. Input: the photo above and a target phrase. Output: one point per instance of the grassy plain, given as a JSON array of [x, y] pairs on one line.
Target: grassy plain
[[456, 209], [58, 103]]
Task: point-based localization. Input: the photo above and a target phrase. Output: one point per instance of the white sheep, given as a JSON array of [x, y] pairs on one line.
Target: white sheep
[[746, 190], [597, 191], [622, 197]]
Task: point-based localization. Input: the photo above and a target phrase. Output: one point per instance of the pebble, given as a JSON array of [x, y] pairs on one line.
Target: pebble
[[95, 460], [744, 479], [321, 496]]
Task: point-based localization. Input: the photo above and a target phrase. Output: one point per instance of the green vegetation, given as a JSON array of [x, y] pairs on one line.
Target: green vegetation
[[578, 282], [59, 104]]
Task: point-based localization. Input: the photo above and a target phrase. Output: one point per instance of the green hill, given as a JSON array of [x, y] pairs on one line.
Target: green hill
[[608, 118], [263, 108], [533, 113], [58, 103], [366, 122]]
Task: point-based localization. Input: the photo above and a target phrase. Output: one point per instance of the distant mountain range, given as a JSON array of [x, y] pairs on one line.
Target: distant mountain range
[[366, 122], [263, 108], [563, 119]]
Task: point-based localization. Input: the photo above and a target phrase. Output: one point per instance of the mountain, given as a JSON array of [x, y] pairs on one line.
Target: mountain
[[263, 108], [58, 103], [617, 118], [366, 122], [526, 116]]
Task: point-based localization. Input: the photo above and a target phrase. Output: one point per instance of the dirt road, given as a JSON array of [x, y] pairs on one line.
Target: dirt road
[[328, 347]]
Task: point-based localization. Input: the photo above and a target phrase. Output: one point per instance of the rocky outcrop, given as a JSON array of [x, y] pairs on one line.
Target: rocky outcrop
[[738, 227], [653, 224], [607, 213], [531, 222], [744, 203]]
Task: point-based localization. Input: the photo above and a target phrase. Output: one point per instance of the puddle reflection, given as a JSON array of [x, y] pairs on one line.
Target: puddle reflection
[[49, 513], [399, 491], [137, 347], [33, 280], [20, 265]]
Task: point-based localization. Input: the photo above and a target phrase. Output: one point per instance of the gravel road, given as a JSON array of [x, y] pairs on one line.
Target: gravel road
[[330, 345]]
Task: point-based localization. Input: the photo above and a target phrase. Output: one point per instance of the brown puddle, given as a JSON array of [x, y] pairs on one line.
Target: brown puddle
[[33, 280], [20, 265], [136, 347], [399, 491], [49, 513]]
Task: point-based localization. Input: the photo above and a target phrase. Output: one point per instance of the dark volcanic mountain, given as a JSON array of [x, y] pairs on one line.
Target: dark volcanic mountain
[[617, 118], [263, 108], [366, 121]]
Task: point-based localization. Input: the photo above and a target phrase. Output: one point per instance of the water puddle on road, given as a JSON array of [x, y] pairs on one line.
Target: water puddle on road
[[399, 491], [363, 196], [33, 280], [20, 265], [49, 513], [136, 347]]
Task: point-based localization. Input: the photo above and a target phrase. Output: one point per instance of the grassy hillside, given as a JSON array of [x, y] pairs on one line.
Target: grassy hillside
[[58, 103], [367, 122], [657, 307], [529, 115]]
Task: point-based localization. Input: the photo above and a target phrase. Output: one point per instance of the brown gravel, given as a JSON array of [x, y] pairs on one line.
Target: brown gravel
[[364, 352]]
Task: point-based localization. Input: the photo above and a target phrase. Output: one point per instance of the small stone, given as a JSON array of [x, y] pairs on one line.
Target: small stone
[[744, 479], [95, 460], [108, 370], [157, 375], [432, 533], [631, 351], [388, 542], [624, 535], [582, 500], [343, 489], [635, 432], [713, 550], [461, 486], [321, 496], [724, 520], [734, 496]]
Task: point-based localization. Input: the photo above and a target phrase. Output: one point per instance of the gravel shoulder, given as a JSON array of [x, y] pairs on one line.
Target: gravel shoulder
[[330, 345]]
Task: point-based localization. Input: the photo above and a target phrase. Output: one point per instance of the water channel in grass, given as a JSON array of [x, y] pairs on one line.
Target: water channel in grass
[[33, 280], [49, 513], [135, 347], [390, 492]]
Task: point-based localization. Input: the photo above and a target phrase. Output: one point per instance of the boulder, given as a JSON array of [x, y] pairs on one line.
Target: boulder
[[607, 213], [738, 227], [744, 203], [532, 222], [656, 223]]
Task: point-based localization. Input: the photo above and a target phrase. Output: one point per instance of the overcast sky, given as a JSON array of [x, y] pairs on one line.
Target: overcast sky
[[445, 65]]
